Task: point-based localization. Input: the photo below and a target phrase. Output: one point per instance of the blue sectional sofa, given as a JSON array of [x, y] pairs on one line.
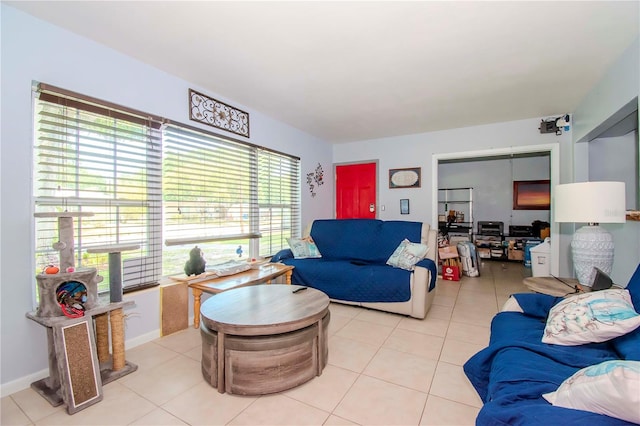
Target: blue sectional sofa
[[353, 266], [516, 369]]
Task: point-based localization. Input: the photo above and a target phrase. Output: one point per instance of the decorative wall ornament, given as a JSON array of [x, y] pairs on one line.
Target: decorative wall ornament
[[405, 178], [214, 113], [315, 178]]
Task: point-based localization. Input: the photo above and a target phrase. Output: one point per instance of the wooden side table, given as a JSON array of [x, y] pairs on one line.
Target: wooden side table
[[264, 274], [554, 286]]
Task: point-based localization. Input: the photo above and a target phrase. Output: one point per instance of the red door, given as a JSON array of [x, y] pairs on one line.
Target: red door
[[356, 191]]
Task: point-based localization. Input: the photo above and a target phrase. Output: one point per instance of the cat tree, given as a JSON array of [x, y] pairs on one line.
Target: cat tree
[[79, 362]]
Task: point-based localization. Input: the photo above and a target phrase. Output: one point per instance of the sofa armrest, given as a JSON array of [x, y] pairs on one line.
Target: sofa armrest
[[423, 280], [282, 255], [433, 269]]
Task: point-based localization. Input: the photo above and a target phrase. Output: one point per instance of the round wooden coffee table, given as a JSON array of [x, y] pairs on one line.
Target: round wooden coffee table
[[264, 339]]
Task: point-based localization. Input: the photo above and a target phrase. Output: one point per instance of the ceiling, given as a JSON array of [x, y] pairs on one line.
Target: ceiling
[[347, 71]]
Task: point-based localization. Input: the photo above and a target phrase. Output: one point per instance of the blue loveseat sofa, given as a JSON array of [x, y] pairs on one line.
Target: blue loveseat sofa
[[353, 267], [516, 369]]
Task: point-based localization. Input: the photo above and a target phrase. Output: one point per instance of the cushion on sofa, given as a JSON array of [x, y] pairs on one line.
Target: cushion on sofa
[[591, 317], [367, 240], [407, 254], [303, 248], [633, 286], [535, 305], [628, 345], [611, 388]]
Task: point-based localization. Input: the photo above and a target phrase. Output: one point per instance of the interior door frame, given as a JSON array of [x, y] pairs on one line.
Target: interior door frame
[[554, 159], [352, 163]]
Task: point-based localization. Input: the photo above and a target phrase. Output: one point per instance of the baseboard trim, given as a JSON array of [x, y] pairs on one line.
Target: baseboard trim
[[24, 382], [142, 339]]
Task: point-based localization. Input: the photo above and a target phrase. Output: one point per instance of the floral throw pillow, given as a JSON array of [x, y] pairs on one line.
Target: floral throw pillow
[[590, 318], [303, 248], [407, 255], [611, 388]]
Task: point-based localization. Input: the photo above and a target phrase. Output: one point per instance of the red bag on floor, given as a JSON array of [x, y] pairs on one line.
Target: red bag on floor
[[451, 273]]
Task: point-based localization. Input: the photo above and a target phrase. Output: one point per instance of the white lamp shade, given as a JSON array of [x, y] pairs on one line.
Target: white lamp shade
[[590, 202]]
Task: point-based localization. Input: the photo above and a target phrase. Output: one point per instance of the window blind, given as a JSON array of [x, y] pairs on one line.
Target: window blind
[[278, 199], [95, 158], [223, 195]]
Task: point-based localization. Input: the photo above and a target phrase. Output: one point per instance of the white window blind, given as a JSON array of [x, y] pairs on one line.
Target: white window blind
[[278, 200], [96, 158], [222, 195]]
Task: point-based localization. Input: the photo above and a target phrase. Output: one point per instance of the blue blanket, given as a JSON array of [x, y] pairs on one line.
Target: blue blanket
[[513, 372], [356, 281]]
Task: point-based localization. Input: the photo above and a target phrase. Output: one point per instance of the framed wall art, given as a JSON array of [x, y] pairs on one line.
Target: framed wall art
[[531, 195], [405, 178]]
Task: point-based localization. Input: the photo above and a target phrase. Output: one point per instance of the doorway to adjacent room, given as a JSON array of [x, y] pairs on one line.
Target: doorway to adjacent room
[[552, 150]]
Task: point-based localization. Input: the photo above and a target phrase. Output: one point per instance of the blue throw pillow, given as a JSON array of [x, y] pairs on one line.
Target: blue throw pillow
[[634, 288], [628, 346]]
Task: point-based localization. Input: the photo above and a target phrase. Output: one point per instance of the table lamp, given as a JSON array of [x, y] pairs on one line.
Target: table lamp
[[592, 203]]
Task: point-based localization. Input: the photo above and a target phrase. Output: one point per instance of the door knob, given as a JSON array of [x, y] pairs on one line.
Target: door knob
[[372, 207]]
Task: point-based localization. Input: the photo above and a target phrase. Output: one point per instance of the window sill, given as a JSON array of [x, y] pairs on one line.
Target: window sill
[[133, 289]]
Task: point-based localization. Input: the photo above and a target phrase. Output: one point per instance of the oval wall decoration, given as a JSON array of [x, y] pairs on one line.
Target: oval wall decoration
[[404, 178]]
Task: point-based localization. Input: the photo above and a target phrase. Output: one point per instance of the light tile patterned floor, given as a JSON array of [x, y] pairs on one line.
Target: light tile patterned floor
[[383, 369]]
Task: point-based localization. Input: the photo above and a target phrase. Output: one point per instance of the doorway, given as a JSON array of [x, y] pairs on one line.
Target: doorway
[[550, 149], [356, 190]]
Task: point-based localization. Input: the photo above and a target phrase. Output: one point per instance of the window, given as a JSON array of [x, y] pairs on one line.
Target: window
[[278, 200], [98, 159], [225, 195], [164, 187]]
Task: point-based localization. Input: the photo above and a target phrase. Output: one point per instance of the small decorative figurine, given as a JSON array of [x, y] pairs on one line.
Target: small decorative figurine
[[51, 269], [196, 263]]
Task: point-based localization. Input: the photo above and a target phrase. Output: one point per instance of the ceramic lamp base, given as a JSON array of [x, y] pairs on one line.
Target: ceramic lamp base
[[592, 246]]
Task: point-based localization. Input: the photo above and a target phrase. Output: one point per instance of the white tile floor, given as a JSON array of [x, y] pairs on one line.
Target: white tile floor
[[383, 369]]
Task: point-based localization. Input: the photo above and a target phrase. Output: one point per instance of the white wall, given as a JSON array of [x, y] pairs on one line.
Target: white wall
[[615, 159], [35, 50], [614, 97], [417, 150]]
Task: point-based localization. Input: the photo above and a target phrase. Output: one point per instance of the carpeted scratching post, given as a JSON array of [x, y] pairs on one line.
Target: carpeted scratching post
[[102, 337], [117, 339]]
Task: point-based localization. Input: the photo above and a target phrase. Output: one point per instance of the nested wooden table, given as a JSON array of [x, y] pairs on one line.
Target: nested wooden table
[[215, 285], [264, 339]]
